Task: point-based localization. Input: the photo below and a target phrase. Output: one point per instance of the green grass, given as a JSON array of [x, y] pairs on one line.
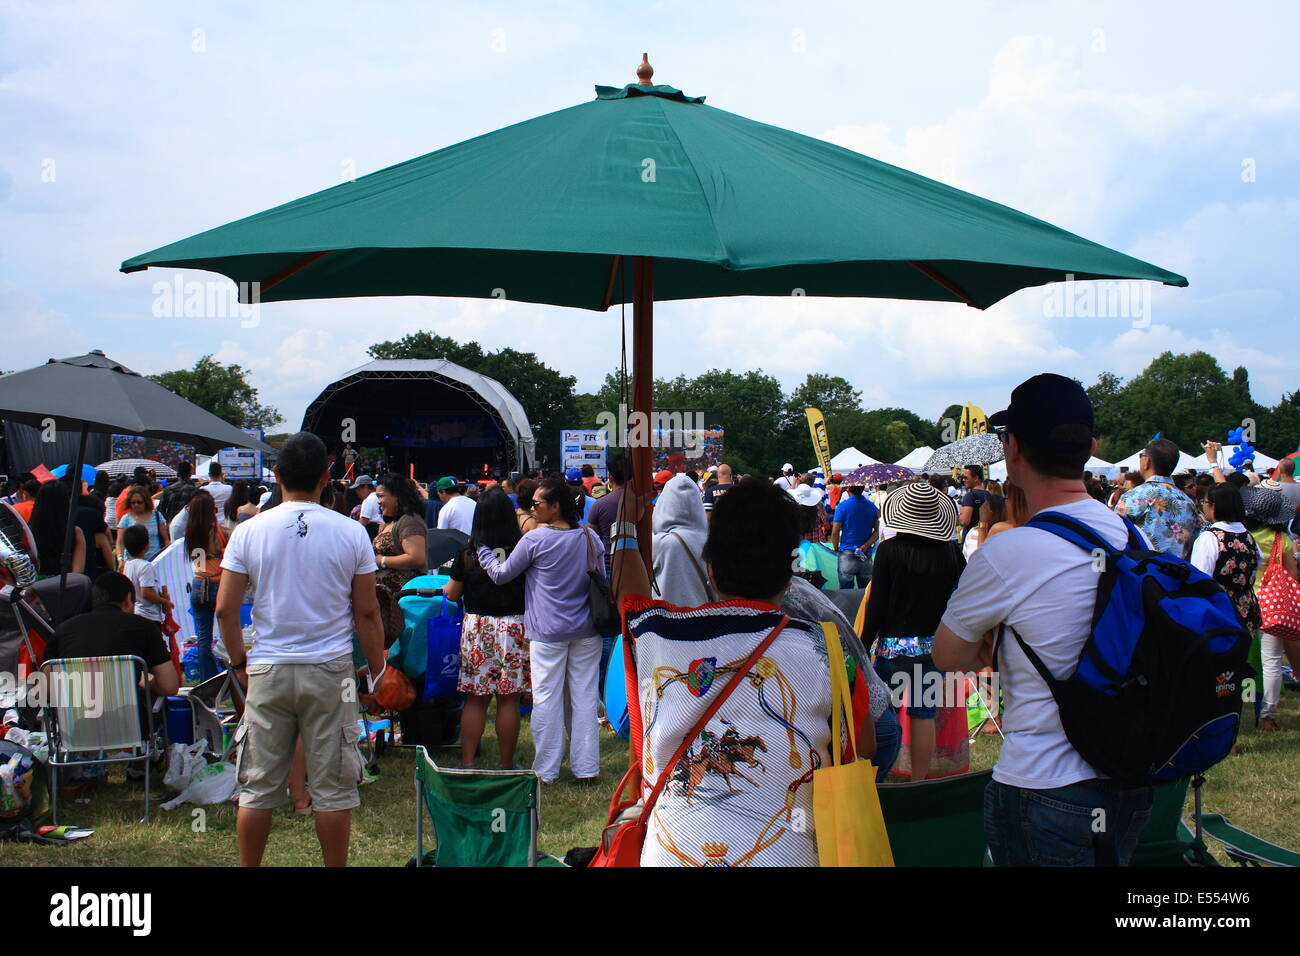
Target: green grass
[[383, 828], [1258, 789]]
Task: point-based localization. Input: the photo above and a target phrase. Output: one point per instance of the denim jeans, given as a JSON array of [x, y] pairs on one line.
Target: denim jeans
[[854, 570], [889, 740], [204, 612], [1092, 823]]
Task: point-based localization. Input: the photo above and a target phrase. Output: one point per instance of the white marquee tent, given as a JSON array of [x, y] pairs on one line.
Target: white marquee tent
[[998, 470], [851, 458], [1263, 463], [916, 458], [1186, 462]]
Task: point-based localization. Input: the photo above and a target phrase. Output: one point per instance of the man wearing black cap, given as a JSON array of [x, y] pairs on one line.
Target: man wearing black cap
[[1045, 805]]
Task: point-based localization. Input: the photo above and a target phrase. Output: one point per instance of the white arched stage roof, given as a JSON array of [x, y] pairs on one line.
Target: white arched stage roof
[[486, 393]]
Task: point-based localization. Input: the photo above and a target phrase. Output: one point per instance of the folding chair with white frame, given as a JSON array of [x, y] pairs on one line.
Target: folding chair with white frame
[[97, 711]]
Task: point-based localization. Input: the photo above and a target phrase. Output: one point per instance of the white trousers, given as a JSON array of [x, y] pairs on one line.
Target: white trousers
[[565, 670], [1270, 652]]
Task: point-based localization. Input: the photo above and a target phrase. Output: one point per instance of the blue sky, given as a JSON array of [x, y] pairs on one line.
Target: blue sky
[[1170, 131]]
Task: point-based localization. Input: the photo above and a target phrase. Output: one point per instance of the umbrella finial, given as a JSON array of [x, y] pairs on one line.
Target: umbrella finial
[[645, 71]]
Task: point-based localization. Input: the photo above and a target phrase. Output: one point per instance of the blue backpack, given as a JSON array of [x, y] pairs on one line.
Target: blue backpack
[[1157, 692]]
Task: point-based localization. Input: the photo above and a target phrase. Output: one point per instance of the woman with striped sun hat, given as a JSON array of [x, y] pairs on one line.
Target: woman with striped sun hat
[[916, 571]]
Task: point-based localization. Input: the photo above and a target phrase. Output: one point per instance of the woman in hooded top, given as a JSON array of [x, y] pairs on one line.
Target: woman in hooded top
[[680, 530]]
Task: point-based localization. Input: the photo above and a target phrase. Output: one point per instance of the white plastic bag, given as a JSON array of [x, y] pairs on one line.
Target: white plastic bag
[[219, 646], [183, 762], [214, 783]]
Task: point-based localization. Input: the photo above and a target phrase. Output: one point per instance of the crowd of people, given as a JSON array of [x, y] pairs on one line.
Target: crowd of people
[[943, 563]]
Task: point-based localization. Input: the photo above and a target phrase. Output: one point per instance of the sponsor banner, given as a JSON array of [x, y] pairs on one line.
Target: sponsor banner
[[239, 463], [586, 446]]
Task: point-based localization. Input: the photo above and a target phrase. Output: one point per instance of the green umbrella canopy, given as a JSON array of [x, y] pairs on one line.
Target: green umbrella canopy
[[541, 211]]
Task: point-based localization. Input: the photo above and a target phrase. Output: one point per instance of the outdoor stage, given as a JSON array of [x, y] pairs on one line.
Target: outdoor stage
[[438, 416]]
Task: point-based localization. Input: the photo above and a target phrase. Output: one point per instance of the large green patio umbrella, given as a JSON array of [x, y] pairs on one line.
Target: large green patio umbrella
[[704, 202]]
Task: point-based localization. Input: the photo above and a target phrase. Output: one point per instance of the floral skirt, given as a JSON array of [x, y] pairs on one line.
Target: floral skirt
[[493, 656]]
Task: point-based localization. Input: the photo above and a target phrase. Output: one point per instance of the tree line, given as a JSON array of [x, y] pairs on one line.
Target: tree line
[[1186, 397]]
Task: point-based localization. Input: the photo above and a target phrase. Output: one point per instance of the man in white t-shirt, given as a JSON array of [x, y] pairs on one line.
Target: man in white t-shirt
[[216, 486], [457, 511], [364, 486], [313, 577], [788, 479], [1045, 806]]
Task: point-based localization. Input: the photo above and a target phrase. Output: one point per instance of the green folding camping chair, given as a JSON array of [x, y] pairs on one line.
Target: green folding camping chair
[[1242, 847], [936, 822], [1166, 840], [1246, 848], [480, 817]]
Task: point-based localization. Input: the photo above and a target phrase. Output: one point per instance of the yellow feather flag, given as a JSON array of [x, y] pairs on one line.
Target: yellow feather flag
[[973, 421], [820, 439]]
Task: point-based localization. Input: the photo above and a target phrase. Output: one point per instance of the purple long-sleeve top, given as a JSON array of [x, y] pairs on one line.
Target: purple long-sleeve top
[[556, 593]]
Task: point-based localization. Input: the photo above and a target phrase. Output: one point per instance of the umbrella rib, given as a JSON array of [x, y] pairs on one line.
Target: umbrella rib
[[613, 275], [297, 267], [934, 274]]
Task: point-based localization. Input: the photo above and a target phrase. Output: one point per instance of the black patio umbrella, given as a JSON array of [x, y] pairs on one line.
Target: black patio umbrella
[[93, 393], [444, 544]]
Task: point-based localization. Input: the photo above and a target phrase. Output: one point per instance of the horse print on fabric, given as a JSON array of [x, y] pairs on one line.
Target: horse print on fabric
[[718, 755]]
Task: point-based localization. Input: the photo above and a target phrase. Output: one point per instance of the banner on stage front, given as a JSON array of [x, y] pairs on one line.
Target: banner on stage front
[[820, 439]]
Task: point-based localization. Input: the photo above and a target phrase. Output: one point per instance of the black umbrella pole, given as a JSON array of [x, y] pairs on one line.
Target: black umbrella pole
[[643, 300], [73, 501]]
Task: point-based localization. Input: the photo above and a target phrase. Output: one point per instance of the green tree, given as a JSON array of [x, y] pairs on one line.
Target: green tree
[[429, 345], [546, 396], [1107, 414], [830, 393], [222, 390], [837, 400], [751, 404], [947, 425], [1278, 428], [1187, 398]]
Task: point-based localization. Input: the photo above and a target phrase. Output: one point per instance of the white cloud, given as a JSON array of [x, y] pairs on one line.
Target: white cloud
[[1140, 148]]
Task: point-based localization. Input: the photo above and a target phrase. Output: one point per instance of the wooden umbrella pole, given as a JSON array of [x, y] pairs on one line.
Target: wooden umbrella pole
[[642, 479]]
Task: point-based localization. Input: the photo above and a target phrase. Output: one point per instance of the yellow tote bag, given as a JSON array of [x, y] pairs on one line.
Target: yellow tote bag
[[846, 808]]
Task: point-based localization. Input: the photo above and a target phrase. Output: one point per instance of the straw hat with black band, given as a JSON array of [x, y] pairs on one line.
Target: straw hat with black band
[[921, 509]]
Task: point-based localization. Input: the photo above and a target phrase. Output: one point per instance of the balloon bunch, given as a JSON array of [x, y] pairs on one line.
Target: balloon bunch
[[1244, 451]]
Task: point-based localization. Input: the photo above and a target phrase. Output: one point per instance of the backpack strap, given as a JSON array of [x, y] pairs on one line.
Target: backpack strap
[[1080, 534], [1070, 529], [1135, 541], [1034, 659]]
